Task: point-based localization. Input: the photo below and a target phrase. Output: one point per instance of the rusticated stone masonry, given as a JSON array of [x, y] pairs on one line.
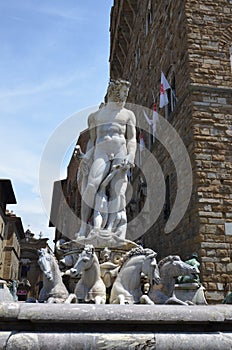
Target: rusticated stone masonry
[[190, 41]]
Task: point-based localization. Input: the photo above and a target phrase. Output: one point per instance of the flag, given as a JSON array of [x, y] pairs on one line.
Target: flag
[[141, 147], [147, 118], [141, 142], [163, 94], [154, 118]]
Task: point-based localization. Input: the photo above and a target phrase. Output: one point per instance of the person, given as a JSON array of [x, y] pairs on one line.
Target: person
[[112, 143]]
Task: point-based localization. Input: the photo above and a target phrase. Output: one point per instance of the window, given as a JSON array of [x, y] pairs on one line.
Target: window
[[149, 18], [1, 231], [167, 204], [69, 186], [24, 271], [172, 100], [137, 56], [1, 228], [231, 58]]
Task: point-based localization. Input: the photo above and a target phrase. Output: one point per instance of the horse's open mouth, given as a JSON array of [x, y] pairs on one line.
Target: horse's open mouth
[[73, 273], [156, 280], [49, 276], [193, 276]]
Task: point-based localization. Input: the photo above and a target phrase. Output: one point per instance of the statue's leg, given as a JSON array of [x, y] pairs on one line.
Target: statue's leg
[[97, 173], [97, 220], [51, 300], [117, 198], [100, 210], [72, 299], [120, 224], [146, 300], [99, 300], [43, 295]]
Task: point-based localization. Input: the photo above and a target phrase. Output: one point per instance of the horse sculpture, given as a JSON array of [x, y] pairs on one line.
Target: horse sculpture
[[53, 290], [90, 287], [13, 289], [169, 268], [127, 286]]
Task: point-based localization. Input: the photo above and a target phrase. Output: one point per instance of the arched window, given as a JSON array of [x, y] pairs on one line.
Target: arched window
[[137, 55], [69, 186], [167, 204], [172, 99], [231, 57], [149, 17]]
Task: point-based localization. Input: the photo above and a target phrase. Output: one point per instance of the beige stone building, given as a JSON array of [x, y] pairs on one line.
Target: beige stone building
[[30, 274], [11, 233], [190, 41], [18, 249], [66, 200]]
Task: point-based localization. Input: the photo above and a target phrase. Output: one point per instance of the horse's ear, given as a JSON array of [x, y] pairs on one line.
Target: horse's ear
[[153, 255], [176, 258]]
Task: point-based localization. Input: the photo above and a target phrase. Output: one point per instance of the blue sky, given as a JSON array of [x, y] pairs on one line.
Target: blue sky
[[53, 63]]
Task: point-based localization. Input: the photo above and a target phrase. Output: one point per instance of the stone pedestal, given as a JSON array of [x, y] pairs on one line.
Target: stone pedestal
[[82, 326]]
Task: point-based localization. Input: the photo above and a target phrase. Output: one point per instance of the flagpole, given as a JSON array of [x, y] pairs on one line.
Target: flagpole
[[153, 133], [153, 136], [139, 144]]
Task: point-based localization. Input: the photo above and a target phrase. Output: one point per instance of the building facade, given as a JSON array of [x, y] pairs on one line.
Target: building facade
[[18, 249], [30, 274], [11, 234], [66, 198], [190, 41]]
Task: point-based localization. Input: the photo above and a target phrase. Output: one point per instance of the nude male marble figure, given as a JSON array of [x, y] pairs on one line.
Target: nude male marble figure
[[112, 144]]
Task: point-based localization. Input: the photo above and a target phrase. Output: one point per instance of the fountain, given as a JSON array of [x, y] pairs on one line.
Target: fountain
[[112, 272]]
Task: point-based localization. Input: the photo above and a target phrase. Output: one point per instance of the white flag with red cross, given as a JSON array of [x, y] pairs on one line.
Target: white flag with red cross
[[149, 121], [164, 85], [152, 122]]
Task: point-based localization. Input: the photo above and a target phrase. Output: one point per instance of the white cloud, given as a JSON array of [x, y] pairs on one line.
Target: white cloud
[[75, 14], [23, 170], [47, 85]]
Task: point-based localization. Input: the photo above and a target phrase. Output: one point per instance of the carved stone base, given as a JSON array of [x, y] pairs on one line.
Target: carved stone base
[[191, 291], [104, 238]]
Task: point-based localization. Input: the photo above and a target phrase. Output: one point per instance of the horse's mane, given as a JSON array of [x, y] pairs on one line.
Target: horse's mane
[[54, 258], [89, 248], [52, 255], [136, 252], [167, 259]]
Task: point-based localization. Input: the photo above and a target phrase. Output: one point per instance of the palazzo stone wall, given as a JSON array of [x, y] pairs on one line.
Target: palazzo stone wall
[[190, 41]]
